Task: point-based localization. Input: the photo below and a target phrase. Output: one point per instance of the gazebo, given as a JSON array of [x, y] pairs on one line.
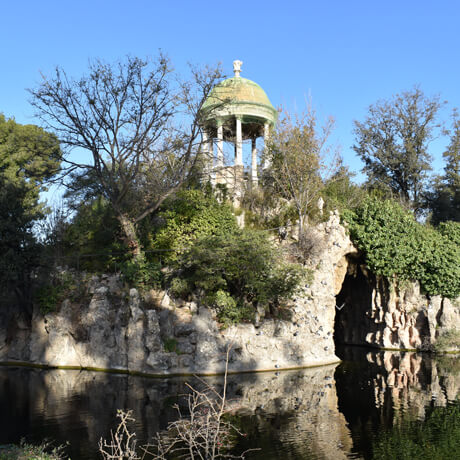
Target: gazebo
[[236, 109]]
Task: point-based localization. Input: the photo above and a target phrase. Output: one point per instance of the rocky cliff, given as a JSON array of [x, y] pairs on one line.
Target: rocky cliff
[[117, 328], [373, 311]]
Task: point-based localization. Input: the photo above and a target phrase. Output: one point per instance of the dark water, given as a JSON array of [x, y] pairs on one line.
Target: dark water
[[374, 405]]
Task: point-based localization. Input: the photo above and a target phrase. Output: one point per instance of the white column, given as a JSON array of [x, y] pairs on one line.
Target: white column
[[220, 144], [205, 144], [239, 144], [266, 141], [207, 153], [254, 179]]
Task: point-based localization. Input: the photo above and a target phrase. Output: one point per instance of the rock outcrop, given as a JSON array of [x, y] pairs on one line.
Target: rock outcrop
[[118, 329], [372, 311], [155, 335]]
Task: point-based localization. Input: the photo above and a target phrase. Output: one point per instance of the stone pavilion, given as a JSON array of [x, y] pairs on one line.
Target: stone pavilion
[[237, 109]]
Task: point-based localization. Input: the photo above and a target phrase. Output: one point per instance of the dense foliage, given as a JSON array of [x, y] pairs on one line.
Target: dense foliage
[[187, 217], [239, 270], [90, 240], [18, 248], [29, 156], [396, 245], [393, 143]]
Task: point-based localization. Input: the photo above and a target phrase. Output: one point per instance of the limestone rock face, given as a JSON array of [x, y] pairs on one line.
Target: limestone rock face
[[116, 329], [379, 314], [119, 330]]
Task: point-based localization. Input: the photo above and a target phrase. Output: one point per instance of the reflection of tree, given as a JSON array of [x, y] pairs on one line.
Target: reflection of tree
[[289, 414], [437, 437], [395, 388]]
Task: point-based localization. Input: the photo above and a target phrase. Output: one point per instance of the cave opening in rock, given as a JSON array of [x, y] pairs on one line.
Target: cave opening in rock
[[353, 305]]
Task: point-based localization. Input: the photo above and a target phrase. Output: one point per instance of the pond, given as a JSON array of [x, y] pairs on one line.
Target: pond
[[374, 405]]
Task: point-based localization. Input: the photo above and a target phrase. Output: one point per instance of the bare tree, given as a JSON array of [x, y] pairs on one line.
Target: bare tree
[[140, 126], [301, 160], [123, 442]]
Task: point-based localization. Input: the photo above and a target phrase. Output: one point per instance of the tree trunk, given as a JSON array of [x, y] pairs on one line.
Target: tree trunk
[[131, 239], [301, 228]]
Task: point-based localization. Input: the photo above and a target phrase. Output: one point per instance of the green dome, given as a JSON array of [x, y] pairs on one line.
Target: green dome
[[239, 97]]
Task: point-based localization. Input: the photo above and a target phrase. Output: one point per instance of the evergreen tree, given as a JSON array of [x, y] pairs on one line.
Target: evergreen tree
[[445, 198], [29, 156], [393, 142]]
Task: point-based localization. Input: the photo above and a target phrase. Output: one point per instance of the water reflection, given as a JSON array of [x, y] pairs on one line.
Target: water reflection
[[321, 413], [378, 390]]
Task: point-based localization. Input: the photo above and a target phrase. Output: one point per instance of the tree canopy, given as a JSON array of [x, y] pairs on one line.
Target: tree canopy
[[300, 160], [393, 142], [444, 199], [29, 157], [140, 128]]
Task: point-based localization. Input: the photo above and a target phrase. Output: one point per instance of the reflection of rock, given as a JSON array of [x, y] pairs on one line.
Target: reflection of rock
[[377, 390], [74, 405], [308, 402], [410, 383]]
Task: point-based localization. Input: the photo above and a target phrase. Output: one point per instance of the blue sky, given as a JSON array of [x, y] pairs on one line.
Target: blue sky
[[345, 54]]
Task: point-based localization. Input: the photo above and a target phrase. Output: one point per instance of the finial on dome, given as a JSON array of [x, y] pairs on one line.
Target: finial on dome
[[237, 67]]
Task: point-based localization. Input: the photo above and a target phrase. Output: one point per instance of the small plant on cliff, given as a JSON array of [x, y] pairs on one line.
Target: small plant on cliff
[[397, 246], [448, 341], [179, 288], [228, 310], [170, 345], [142, 274], [59, 287]]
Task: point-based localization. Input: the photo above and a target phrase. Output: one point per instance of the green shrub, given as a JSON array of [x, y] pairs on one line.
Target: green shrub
[[48, 298], [239, 270], [397, 246], [179, 288], [142, 275], [189, 216], [170, 345], [228, 310], [29, 452], [283, 282], [59, 287]]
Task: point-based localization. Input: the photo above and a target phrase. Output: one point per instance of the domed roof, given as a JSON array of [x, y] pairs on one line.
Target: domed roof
[[240, 97]]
